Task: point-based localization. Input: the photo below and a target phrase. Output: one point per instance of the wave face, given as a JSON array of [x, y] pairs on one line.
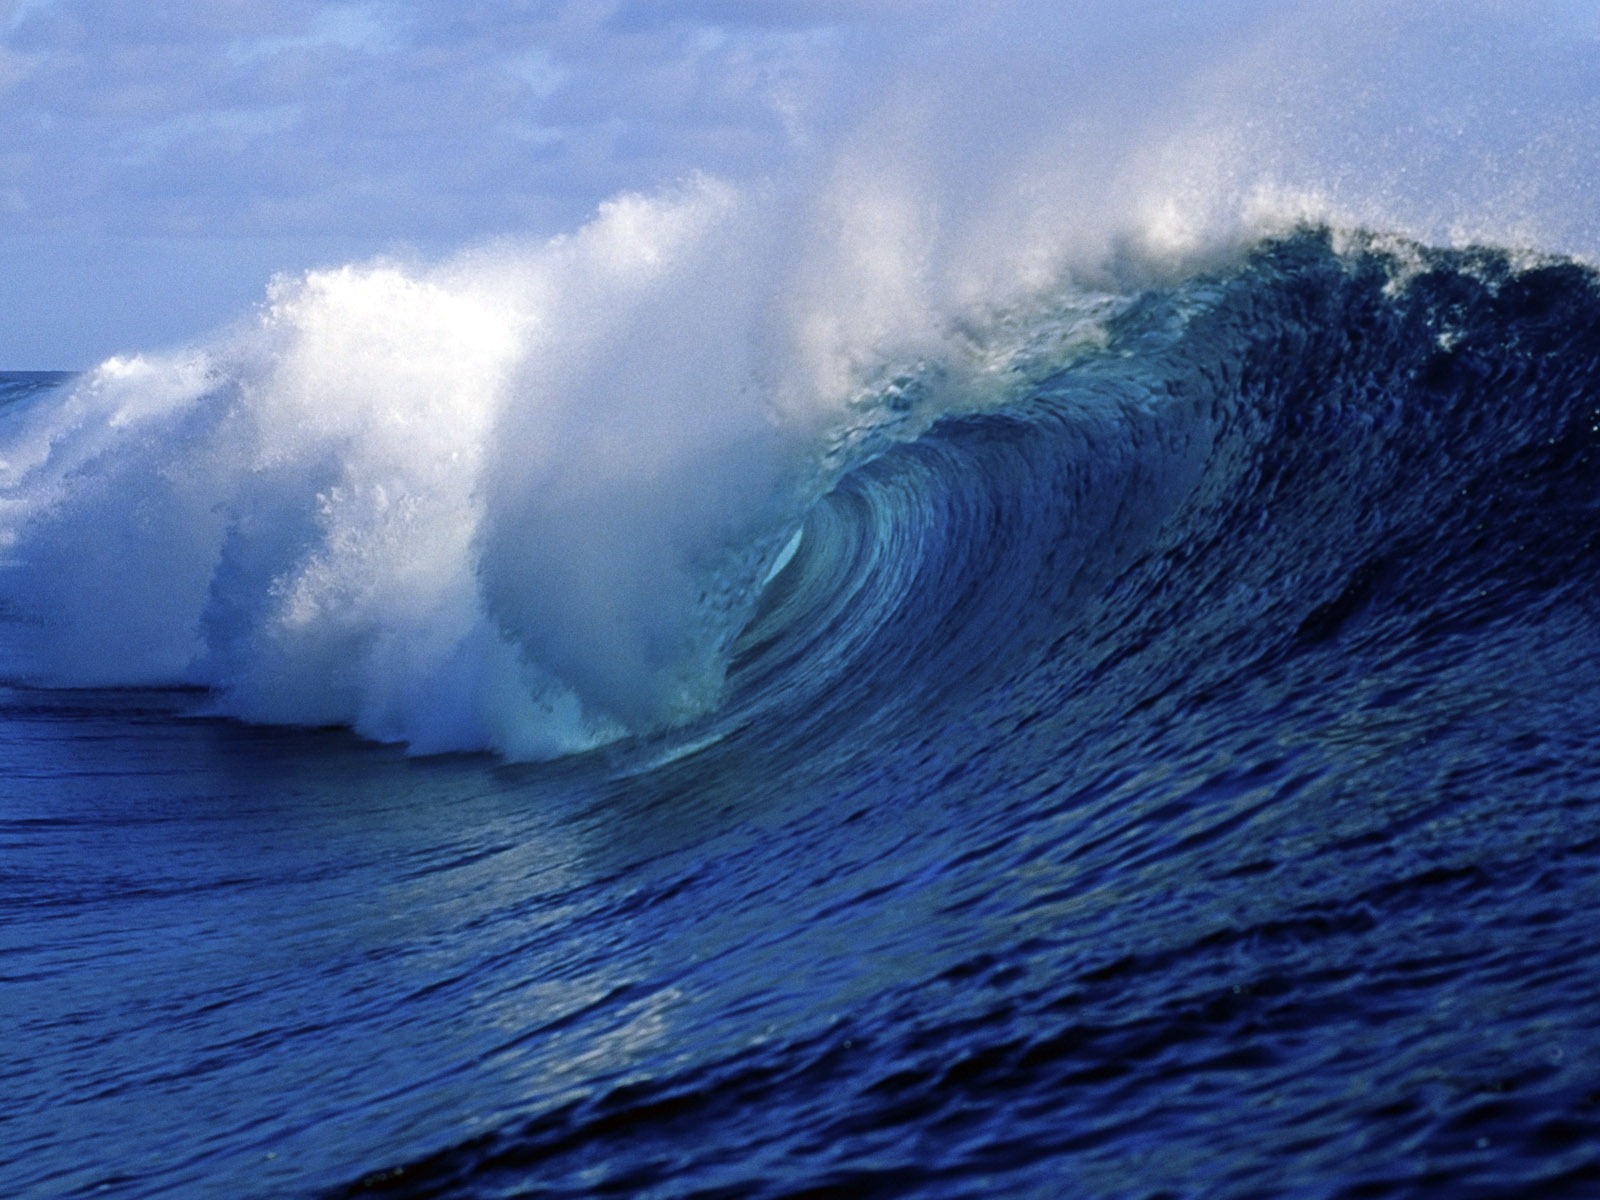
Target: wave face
[[1160, 763]]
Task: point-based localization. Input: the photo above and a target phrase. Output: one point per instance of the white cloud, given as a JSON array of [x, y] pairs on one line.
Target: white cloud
[[14, 12], [537, 68], [358, 27], [238, 125]]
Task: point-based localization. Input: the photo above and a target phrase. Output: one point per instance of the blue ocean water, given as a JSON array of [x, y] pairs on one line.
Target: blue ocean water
[[1176, 776]]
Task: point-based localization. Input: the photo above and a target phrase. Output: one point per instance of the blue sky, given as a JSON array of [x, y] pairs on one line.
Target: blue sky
[[159, 160]]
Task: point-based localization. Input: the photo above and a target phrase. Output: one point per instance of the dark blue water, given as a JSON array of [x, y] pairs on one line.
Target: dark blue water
[[1180, 781]]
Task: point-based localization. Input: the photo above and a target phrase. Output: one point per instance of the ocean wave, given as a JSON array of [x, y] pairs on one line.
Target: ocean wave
[[421, 509]]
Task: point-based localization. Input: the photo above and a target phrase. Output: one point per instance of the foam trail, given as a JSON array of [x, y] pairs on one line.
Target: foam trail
[[524, 498]]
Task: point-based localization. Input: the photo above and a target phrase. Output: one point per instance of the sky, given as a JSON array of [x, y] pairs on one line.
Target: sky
[[160, 160]]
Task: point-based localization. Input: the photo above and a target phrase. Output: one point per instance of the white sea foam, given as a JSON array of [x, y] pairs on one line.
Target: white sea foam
[[522, 499]]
